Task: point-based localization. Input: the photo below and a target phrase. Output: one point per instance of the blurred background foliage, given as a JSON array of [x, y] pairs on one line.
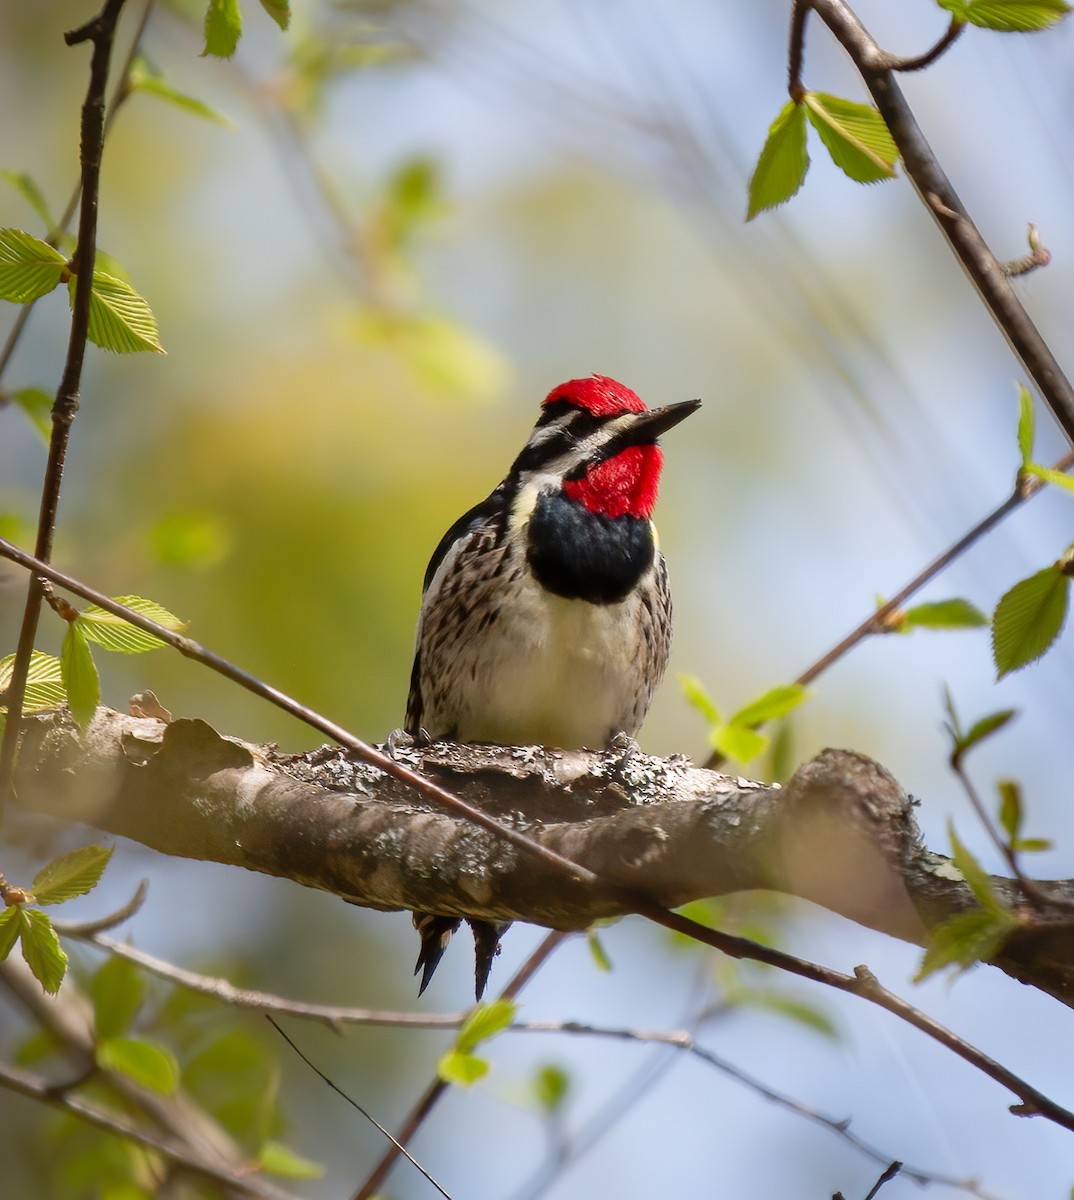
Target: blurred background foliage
[[419, 218]]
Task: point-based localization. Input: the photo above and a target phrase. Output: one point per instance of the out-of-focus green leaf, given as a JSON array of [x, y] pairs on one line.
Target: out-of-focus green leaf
[[777, 702], [783, 162], [965, 939], [190, 538], [794, 1008], [80, 679], [974, 874], [1010, 807], [223, 28], [1025, 425], [597, 951], [855, 136], [551, 1083], [945, 614], [275, 1158], [1050, 475], [42, 950], [36, 403], [698, 698], [144, 77], [484, 1022], [982, 729], [29, 267], [279, 11], [1008, 16], [11, 922], [114, 633], [72, 874], [118, 991], [1029, 618], [461, 1069], [738, 742], [27, 188], [146, 1062]]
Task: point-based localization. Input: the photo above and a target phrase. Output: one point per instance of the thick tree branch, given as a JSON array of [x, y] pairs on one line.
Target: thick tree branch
[[841, 833]]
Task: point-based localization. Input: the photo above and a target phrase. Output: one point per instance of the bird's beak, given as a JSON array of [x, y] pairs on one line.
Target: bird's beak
[[648, 426]]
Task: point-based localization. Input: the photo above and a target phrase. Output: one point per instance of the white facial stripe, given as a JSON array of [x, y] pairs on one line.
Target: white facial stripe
[[588, 447]]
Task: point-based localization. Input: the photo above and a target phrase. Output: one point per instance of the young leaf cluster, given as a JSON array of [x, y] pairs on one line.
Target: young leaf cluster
[[223, 24], [1007, 16], [23, 922], [120, 319], [460, 1065], [738, 736]]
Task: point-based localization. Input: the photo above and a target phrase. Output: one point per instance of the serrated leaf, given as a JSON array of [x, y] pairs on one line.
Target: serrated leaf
[[777, 702], [597, 952], [120, 320], [279, 11], [738, 742], [945, 614], [698, 698], [80, 679], [36, 403], [854, 135], [983, 728], [1028, 619], [117, 991], [461, 1069], [147, 1062], [965, 939], [42, 950], [783, 162], [974, 874], [1008, 16], [1026, 433], [29, 267], [11, 921], [1050, 475], [144, 77], [44, 686], [551, 1084], [274, 1158], [1010, 808], [223, 28], [72, 874], [114, 633], [484, 1022], [32, 194]]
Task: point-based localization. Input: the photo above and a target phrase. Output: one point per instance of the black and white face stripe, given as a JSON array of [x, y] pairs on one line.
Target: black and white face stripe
[[567, 438]]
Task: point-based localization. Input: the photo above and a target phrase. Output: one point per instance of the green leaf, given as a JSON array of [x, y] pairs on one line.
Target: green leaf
[[1028, 619], [983, 728], [29, 267], [1025, 425], [776, 702], [599, 954], [190, 538], [484, 1022], [32, 194], [118, 991], [44, 686], [855, 136], [42, 950], [146, 1062], [793, 1008], [1010, 808], [1050, 475], [974, 874], [79, 676], [120, 319], [783, 162], [274, 1158], [36, 403], [697, 697], [223, 28], [72, 874], [965, 939], [1008, 16], [461, 1069], [279, 11], [1032, 845], [144, 77], [945, 614], [11, 923], [551, 1085], [738, 742], [114, 633]]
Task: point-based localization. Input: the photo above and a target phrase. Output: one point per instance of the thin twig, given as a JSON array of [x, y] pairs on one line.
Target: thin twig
[[354, 1104], [87, 929], [16, 1079], [862, 983], [436, 1089], [101, 32], [918, 63]]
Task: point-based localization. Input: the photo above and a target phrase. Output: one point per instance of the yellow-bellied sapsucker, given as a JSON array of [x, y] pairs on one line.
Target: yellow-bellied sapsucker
[[546, 612]]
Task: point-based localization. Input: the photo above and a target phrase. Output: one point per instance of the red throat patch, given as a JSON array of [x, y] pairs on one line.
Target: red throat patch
[[623, 486]]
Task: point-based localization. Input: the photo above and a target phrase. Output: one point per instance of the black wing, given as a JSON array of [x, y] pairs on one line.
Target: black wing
[[475, 516]]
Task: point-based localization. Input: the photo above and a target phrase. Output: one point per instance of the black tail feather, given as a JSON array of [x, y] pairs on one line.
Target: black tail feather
[[435, 933]]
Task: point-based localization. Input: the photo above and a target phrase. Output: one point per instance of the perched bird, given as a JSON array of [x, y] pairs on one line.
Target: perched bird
[[546, 611]]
